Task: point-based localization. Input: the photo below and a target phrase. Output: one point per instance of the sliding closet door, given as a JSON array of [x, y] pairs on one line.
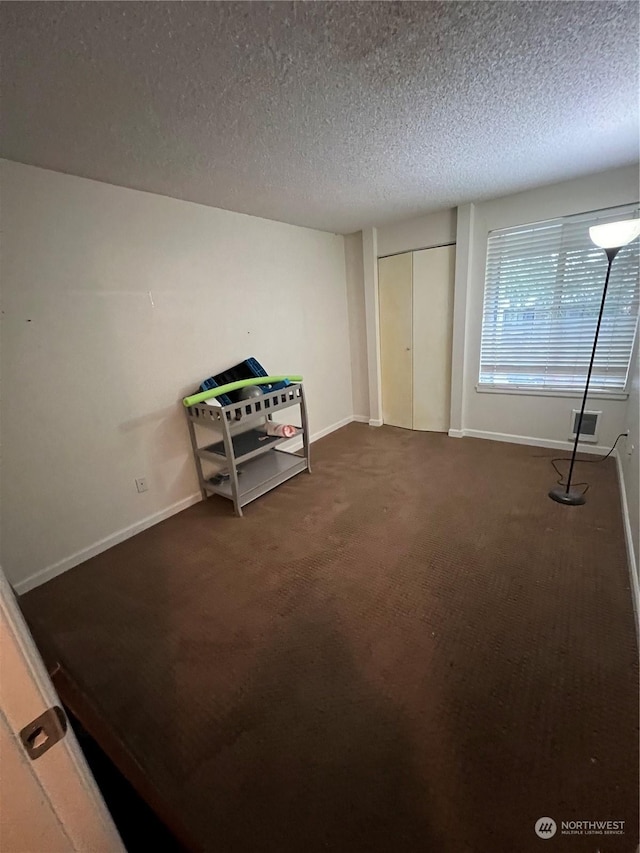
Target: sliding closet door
[[433, 280], [395, 302]]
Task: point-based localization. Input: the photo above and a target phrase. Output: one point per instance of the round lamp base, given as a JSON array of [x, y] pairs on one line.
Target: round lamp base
[[571, 498]]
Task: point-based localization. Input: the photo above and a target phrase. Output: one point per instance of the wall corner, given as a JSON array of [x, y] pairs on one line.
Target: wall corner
[[464, 244], [370, 269]]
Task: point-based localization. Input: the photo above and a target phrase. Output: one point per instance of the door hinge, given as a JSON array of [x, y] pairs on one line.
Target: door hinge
[[42, 733]]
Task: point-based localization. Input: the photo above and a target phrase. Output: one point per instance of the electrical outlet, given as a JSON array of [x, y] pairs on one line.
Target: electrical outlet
[[629, 447], [141, 484]]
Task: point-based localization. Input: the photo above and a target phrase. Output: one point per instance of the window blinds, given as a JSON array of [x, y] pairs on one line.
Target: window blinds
[[543, 289]]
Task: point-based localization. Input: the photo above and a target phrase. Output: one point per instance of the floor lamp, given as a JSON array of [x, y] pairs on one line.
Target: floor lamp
[[610, 237]]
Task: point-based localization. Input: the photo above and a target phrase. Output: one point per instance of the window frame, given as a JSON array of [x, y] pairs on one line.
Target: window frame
[[630, 209]]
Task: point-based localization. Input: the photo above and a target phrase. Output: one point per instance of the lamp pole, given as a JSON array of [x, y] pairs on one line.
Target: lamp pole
[[610, 237], [563, 494]]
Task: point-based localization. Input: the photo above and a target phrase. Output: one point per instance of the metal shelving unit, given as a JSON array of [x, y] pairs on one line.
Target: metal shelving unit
[[251, 462]]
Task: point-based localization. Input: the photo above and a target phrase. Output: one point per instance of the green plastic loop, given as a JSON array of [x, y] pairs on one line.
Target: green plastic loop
[[234, 386]]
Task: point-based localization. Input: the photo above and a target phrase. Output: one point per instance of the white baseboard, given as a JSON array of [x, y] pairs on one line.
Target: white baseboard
[[296, 443], [331, 428], [361, 419], [375, 422], [597, 449], [61, 566], [632, 557]]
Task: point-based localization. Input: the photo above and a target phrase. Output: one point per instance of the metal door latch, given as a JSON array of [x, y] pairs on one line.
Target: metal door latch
[[42, 733]]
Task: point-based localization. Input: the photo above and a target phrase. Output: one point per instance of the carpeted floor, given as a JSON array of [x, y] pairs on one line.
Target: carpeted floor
[[411, 649]]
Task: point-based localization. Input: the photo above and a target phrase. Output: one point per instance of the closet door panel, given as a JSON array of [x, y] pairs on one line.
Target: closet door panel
[[395, 304], [433, 280]]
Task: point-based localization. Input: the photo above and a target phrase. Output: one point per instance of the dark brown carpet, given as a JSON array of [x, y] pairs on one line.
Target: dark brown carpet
[[412, 649]]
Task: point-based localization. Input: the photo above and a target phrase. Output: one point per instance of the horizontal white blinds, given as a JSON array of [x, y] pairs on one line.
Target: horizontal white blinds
[[543, 289]]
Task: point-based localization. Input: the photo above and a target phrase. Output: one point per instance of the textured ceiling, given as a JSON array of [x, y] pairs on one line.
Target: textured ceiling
[[332, 115]]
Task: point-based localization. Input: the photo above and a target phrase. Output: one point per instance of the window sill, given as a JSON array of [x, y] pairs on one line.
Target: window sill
[[548, 392]]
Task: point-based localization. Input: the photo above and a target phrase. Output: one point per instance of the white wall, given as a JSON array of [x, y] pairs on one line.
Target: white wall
[[629, 456], [357, 323], [117, 303], [538, 417], [421, 232]]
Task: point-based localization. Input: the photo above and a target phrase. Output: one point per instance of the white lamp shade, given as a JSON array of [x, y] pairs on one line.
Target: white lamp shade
[[613, 235]]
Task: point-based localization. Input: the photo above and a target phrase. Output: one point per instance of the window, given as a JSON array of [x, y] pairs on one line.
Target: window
[[543, 289]]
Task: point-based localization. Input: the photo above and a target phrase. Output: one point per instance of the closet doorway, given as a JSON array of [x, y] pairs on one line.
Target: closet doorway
[[415, 291]]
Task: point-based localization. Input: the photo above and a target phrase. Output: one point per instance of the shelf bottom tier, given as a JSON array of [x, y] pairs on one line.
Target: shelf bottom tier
[[260, 475]]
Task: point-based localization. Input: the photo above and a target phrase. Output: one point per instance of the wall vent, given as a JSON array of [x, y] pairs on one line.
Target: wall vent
[[589, 428]]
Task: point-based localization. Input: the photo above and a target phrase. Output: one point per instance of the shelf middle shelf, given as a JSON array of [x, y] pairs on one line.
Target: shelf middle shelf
[[246, 445]]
